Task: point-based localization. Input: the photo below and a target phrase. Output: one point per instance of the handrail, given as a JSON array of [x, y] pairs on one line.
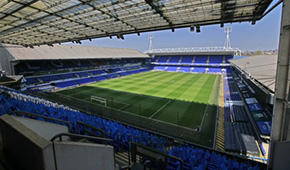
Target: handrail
[[133, 149], [103, 133], [60, 135]]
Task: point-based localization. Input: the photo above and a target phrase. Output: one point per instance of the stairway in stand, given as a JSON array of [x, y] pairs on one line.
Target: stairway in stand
[[168, 60], [122, 159], [220, 136]]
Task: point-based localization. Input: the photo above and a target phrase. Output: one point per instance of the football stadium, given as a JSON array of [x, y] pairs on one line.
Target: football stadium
[[69, 106]]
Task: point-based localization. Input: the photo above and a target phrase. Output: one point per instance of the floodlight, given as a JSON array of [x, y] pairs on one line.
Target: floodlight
[[197, 28], [192, 28]]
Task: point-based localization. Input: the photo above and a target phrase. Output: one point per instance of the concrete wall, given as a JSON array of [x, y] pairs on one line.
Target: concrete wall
[[27, 141], [26, 147], [44, 129], [87, 156], [5, 60]]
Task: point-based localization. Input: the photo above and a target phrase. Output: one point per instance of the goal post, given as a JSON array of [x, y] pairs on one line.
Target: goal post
[[99, 99]]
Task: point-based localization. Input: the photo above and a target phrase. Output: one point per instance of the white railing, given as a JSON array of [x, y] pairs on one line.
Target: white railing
[[236, 51]]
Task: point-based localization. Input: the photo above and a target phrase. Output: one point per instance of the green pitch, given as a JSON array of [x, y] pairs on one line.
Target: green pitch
[[186, 99]]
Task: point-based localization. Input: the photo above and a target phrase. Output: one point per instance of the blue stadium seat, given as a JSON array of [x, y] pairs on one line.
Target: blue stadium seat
[[171, 68], [174, 59], [82, 74], [200, 60], [186, 59], [85, 80], [216, 59], [66, 84], [163, 59]]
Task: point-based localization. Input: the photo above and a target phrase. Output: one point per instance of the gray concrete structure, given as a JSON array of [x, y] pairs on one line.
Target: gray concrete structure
[[5, 61], [31, 151], [280, 135], [72, 156], [43, 129], [28, 143]]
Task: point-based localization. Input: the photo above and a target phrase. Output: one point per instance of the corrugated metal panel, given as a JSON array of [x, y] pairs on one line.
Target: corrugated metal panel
[[262, 68], [38, 22], [64, 52]]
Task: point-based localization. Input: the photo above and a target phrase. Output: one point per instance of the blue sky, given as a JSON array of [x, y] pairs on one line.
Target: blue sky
[[263, 35]]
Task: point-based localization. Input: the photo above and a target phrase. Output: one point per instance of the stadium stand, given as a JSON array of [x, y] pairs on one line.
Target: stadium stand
[[216, 59], [260, 113], [163, 59], [193, 156], [240, 134], [63, 80], [211, 64], [85, 80], [66, 84], [174, 59], [184, 69], [187, 60], [227, 58], [171, 68], [200, 60], [199, 70]]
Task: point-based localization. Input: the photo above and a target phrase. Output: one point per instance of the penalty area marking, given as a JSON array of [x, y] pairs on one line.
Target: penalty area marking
[[160, 109], [126, 104]]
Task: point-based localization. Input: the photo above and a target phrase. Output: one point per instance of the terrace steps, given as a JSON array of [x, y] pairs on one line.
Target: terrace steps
[[168, 60], [191, 69], [207, 61], [193, 60], [180, 60], [157, 59], [122, 158], [220, 137]]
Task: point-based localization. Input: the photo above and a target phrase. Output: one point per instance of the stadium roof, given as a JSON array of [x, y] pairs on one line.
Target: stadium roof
[[38, 22], [72, 52], [261, 68], [195, 51]]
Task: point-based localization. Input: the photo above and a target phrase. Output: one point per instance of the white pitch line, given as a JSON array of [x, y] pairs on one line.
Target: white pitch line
[[116, 101], [204, 114], [124, 107], [160, 109]]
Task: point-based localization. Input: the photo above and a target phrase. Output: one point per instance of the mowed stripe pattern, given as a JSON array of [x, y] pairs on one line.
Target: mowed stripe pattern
[[180, 86], [175, 98]]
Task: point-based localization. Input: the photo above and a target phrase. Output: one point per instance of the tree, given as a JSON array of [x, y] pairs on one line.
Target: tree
[[259, 52]]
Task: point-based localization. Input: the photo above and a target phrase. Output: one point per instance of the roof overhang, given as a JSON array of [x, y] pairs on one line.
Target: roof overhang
[[38, 22], [260, 69], [194, 51], [71, 52]]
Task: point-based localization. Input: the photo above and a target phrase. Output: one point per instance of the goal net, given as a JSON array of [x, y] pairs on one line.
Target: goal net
[[99, 99]]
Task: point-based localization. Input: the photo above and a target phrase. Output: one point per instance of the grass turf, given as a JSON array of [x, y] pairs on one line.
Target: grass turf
[[162, 96]]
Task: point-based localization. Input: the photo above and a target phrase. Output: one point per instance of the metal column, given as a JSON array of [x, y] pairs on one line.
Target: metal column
[[280, 136]]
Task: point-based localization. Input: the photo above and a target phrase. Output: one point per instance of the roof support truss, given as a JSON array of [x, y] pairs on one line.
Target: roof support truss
[[38, 22]]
